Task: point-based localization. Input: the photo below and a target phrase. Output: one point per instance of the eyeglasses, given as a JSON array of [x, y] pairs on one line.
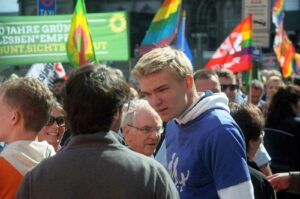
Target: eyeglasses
[[231, 87], [60, 121], [149, 129]]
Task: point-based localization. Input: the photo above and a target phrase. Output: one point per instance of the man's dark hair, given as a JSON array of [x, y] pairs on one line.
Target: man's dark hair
[[250, 119], [93, 95], [59, 80]]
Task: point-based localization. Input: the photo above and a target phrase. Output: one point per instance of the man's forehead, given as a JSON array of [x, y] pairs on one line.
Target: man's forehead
[[150, 83]]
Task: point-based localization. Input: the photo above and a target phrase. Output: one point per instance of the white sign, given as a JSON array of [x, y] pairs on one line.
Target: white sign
[[261, 39], [261, 14], [47, 72], [261, 11]]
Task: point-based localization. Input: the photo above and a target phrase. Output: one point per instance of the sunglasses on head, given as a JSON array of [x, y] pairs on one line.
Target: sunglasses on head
[[60, 121], [231, 87]]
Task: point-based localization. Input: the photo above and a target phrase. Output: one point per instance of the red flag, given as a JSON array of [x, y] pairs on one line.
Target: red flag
[[235, 53]]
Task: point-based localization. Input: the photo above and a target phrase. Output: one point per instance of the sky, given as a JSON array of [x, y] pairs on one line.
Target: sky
[[9, 6]]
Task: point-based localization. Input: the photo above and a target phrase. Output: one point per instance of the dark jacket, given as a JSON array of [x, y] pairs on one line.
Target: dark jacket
[[262, 187], [98, 166]]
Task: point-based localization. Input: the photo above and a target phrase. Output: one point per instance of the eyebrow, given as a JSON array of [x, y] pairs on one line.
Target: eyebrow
[[160, 87], [156, 89]]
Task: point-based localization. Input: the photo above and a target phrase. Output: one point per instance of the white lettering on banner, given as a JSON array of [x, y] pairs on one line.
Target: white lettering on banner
[[55, 28], [179, 181], [55, 38], [24, 39], [227, 65], [229, 47], [18, 30], [31, 39]]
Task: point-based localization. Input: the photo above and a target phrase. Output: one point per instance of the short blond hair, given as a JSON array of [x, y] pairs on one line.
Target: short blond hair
[[277, 80], [161, 58]]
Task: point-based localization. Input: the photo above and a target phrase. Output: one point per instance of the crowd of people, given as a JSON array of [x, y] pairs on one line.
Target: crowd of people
[[179, 133]]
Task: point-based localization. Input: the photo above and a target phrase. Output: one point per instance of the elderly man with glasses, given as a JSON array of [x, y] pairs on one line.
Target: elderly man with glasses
[[142, 127]]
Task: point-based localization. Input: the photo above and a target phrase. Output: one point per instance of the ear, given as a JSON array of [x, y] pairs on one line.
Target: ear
[[15, 117], [118, 114], [251, 145], [189, 81], [126, 134], [126, 130]]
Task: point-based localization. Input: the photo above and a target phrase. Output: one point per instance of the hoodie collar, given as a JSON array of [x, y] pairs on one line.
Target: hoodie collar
[[24, 155], [206, 100]]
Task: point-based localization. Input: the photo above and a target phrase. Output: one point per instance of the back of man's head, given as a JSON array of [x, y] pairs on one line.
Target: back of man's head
[[31, 98], [204, 74], [93, 96], [250, 119], [206, 80]]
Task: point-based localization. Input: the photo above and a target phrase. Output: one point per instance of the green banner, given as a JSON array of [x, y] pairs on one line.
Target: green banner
[[42, 39]]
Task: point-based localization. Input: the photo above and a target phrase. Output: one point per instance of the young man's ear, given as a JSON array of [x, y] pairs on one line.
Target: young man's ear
[[189, 81], [15, 117]]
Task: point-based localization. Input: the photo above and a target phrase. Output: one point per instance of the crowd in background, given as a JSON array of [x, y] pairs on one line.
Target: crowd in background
[[99, 136]]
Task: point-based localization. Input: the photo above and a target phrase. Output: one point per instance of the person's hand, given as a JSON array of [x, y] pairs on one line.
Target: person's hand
[[280, 181]]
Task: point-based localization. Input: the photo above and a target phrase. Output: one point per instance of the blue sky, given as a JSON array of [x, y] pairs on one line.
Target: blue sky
[[9, 6]]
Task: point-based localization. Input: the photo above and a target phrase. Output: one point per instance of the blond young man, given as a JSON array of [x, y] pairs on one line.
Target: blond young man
[[205, 149], [25, 106]]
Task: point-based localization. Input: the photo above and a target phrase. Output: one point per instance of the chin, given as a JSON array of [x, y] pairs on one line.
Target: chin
[[165, 118]]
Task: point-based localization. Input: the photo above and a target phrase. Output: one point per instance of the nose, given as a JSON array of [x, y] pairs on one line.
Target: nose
[[155, 101], [55, 124], [155, 135]]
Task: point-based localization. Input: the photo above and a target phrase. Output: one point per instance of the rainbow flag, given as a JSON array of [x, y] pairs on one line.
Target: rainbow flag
[[162, 30], [79, 46], [277, 12], [235, 53], [284, 49]]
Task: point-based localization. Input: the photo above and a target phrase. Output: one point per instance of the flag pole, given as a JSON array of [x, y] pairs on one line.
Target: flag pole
[[183, 29], [96, 59]]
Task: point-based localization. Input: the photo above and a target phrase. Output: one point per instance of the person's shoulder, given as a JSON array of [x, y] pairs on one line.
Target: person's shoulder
[[141, 159], [218, 117]]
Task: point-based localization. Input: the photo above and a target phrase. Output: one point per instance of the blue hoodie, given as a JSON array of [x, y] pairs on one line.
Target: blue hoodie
[[206, 149]]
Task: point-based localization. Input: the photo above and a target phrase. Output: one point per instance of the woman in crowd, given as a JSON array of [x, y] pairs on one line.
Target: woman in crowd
[[53, 131], [283, 111]]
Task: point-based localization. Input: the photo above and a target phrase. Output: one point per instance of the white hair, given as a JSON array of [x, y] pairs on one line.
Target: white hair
[[132, 107]]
